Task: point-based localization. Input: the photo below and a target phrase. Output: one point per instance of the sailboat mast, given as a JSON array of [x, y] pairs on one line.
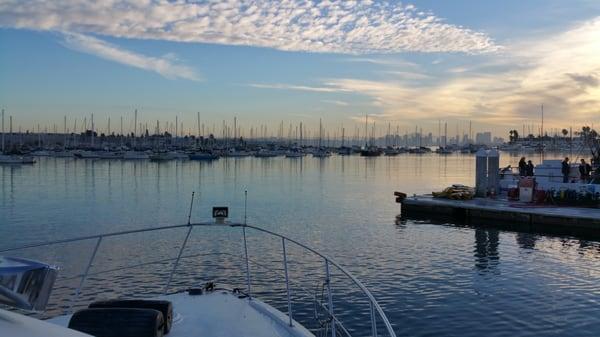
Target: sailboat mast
[[92, 130], [198, 119], [2, 130], [366, 130], [542, 132], [65, 134], [134, 127], [121, 132], [320, 132]]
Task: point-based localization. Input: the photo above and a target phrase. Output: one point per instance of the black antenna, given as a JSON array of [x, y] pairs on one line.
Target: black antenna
[[245, 206], [190, 213]]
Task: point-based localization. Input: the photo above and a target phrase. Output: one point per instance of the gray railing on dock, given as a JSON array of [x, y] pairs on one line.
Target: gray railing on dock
[[334, 323]]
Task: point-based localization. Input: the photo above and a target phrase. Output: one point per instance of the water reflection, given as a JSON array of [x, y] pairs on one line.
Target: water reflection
[[486, 249], [526, 240], [431, 279]]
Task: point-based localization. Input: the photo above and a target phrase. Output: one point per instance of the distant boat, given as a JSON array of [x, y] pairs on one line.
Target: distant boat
[[41, 153], [370, 151], [321, 153], [444, 150], [236, 153], [266, 154], [87, 154], [178, 155], [420, 150], [161, 156], [28, 160], [110, 155], [62, 154], [344, 151], [203, 156], [294, 154], [135, 155], [10, 160], [391, 151]]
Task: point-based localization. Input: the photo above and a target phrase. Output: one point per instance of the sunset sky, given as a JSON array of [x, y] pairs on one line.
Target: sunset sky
[[404, 63]]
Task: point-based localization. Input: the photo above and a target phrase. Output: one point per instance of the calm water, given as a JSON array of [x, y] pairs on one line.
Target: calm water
[[431, 279]]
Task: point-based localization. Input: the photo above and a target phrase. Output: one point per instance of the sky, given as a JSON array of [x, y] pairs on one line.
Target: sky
[[406, 64]]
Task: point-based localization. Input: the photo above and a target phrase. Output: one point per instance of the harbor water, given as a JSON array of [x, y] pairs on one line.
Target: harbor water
[[430, 279]]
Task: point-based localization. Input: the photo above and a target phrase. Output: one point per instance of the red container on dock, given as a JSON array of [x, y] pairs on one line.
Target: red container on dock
[[513, 193]]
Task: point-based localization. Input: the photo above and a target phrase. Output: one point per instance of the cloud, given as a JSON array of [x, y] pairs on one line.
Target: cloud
[[584, 80], [335, 102], [559, 71], [280, 86], [164, 66], [352, 27]]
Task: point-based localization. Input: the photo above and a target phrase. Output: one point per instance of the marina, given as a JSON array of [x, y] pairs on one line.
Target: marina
[[299, 168]]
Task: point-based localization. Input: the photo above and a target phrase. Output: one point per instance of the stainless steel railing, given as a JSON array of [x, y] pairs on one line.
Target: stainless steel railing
[[376, 312]]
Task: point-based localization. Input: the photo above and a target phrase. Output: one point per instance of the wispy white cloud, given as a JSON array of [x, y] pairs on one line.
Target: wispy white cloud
[[335, 102], [281, 86], [165, 66], [354, 27]]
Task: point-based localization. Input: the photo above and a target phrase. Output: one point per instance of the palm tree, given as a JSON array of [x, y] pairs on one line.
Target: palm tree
[[513, 136]]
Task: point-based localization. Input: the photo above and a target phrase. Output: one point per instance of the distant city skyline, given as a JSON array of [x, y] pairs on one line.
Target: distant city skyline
[[409, 64]]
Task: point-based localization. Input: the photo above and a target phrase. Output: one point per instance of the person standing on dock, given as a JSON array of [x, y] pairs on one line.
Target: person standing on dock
[[584, 171], [522, 167], [529, 169], [566, 169]]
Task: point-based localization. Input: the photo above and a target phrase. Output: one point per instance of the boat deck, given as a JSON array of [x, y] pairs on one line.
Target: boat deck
[[223, 314], [503, 209]]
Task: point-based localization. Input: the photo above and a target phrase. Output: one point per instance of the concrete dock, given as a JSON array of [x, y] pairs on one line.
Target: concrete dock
[[524, 215]]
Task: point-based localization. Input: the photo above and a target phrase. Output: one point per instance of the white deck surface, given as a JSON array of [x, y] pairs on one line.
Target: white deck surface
[[16, 325], [222, 314], [508, 206]]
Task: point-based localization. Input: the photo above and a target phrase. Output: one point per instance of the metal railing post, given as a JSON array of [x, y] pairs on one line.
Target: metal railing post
[[85, 273], [187, 236], [373, 320], [287, 282], [330, 297], [247, 263]]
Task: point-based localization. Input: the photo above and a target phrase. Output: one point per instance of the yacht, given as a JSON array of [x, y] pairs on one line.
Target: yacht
[[344, 151], [321, 153], [236, 153], [110, 155], [161, 156], [294, 153], [10, 160], [83, 154], [178, 155], [444, 150], [62, 154], [184, 308], [266, 153], [549, 178], [28, 160], [135, 155], [203, 156], [391, 151], [370, 151], [41, 153]]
